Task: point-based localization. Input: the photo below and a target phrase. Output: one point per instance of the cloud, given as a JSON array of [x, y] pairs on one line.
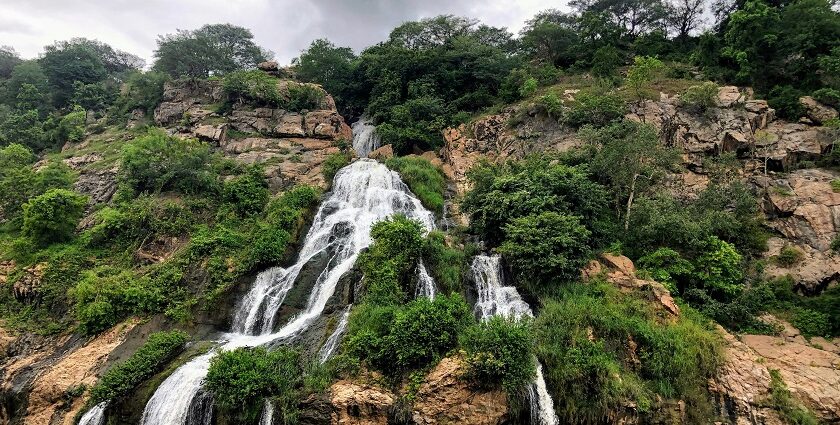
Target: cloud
[[282, 26]]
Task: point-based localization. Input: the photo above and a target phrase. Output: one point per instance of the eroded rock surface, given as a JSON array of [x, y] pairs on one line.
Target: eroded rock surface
[[359, 404]]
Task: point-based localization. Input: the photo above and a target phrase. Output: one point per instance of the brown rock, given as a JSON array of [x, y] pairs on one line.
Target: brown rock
[[729, 96], [444, 398], [327, 125], [76, 368], [622, 273], [6, 269], [27, 286], [816, 111], [382, 153], [359, 404], [211, 133]]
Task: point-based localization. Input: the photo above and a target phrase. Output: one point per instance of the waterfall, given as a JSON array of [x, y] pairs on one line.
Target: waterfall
[[94, 416], [365, 139], [425, 283], [267, 417], [364, 193], [332, 342], [496, 299]]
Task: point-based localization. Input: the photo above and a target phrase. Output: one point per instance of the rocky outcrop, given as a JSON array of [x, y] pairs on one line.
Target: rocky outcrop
[[27, 286], [743, 384], [359, 404], [444, 398], [621, 272], [816, 111]]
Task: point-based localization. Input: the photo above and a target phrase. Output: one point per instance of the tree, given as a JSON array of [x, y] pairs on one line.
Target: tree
[[546, 247], [631, 159], [332, 67], [158, 161], [210, 50], [143, 90], [9, 58], [67, 62], [31, 75], [684, 16], [644, 69], [93, 97], [26, 128], [551, 37], [634, 16], [53, 216], [606, 61]]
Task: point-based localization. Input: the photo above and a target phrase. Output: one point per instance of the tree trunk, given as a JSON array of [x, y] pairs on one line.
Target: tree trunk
[[630, 202]]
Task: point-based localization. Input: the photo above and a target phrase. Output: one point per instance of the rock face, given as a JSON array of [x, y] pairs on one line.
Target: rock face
[[620, 271], [359, 404], [816, 111], [291, 145], [444, 398]]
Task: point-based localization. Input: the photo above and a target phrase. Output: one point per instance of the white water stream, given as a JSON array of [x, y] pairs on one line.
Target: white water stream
[[94, 416], [496, 299], [365, 139], [364, 193]]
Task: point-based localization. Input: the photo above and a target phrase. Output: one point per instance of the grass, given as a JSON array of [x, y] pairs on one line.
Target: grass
[[425, 180], [786, 404], [835, 185]]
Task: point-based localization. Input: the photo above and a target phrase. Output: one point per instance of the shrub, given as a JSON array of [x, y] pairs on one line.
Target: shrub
[[158, 162], [718, 269], [552, 105], [425, 180], [666, 266], [701, 97], [785, 100], [332, 164], [785, 403], [788, 256], [445, 264], [399, 339], [644, 70], [528, 88], [828, 96], [121, 379], [71, 127], [499, 351], [106, 295], [546, 247], [582, 342], [248, 193], [811, 323], [605, 62], [253, 87], [242, 378], [304, 97], [53, 216], [594, 109], [390, 261], [143, 90]]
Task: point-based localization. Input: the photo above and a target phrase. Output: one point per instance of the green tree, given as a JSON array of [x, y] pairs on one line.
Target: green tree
[[210, 50], [142, 90], [67, 62], [631, 158], [718, 269], [53, 216], [9, 58], [545, 248], [644, 70], [551, 37], [26, 128], [606, 61], [71, 127], [334, 68], [23, 74], [158, 161], [500, 352]]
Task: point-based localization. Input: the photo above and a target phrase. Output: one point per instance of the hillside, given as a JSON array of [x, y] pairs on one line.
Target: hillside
[[588, 223]]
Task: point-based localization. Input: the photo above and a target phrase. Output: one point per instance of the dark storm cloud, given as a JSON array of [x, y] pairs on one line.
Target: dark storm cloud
[[283, 26]]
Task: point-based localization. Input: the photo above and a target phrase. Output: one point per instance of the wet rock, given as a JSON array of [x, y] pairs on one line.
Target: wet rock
[[382, 153], [445, 398]]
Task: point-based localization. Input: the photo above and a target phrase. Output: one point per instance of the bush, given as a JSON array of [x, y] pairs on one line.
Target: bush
[[701, 97], [142, 90], [304, 97], [499, 352], [106, 295], [644, 70], [666, 266], [445, 264], [71, 127], [399, 339], [332, 164], [121, 379], [158, 162], [248, 193], [605, 62], [594, 109], [828, 96], [785, 100], [389, 263], [424, 179], [551, 104], [788, 256], [718, 269], [582, 342], [252, 87], [811, 323], [545, 248], [528, 88], [53, 216], [241, 379]]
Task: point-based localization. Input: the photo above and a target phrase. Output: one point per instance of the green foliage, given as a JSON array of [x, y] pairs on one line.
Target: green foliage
[[445, 264], [242, 378], [389, 263], [835, 244], [24, 128], [142, 90], [157, 162], [605, 62], [835, 185], [503, 192], [529, 87], [788, 256], [828, 96], [333, 163], [53, 216], [811, 322], [425, 180], [701, 97], [718, 268], [334, 68], [303, 97], [596, 109], [666, 266], [71, 128], [19, 181], [216, 49], [644, 70], [785, 403], [122, 378], [499, 352], [397, 339], [247, 193], [545, 248], [551, 104], [252, 87], [785, 100], [582, 342]]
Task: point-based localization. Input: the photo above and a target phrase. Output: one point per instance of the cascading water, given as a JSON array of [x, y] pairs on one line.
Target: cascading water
[[496, 299], [365, 139], [364, 193], [332, 342], [425, 283], [94, 416], [267, 417]]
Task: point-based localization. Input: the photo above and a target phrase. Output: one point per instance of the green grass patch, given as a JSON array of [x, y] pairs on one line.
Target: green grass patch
[[424, 179]]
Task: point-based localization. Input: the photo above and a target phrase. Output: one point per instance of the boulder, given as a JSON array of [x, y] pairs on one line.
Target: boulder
[[27, 286], [382, 153], [804, 208], [620, 271], [816, 270], [729, 96], [445, 398], [817, 112], [210, 133], [98, 185], [359, 404]]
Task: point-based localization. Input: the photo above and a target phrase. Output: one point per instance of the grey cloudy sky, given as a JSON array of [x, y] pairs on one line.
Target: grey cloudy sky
[[283, 26]]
